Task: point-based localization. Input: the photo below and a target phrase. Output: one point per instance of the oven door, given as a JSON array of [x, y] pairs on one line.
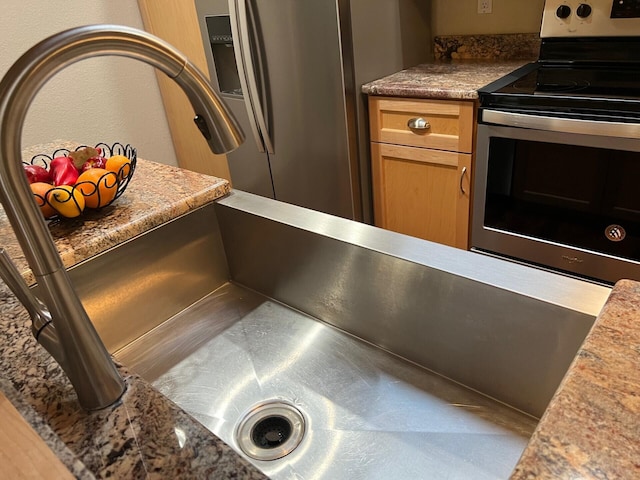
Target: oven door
[[560, 200]]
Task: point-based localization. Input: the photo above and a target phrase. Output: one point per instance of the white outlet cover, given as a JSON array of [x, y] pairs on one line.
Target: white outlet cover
[[485, 6]]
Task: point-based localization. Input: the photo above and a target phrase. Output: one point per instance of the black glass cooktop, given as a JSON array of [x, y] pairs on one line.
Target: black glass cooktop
[[584, 85], [572, 91], [578, 81]]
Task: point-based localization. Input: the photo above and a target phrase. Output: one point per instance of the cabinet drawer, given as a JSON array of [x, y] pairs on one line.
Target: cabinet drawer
[[449, 123]]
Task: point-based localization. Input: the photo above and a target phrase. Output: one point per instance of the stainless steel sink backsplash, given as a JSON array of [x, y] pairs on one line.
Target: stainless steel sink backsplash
[[510, 346]]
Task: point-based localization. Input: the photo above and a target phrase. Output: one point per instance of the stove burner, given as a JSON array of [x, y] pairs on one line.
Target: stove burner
[[571, 86], [526, 86]]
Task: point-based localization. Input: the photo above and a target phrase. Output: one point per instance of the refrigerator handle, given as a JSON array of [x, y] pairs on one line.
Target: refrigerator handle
[[247, 74]]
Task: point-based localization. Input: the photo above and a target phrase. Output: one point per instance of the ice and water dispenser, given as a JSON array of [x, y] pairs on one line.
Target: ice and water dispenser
[[221, 39]]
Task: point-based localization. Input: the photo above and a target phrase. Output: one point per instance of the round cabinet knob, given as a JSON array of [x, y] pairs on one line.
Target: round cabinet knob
[[563, 11], [583, 10], [418, 123]]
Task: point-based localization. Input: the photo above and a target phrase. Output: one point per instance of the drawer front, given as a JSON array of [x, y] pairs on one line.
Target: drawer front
[[439, 124]]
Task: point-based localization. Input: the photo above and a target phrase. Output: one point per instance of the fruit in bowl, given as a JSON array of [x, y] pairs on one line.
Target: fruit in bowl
[[37, 174], [40, 190], [66, 200], [67, 182], [120, 165], [98, 186]]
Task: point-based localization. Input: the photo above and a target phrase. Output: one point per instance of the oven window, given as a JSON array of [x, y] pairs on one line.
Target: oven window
[[579, 196]]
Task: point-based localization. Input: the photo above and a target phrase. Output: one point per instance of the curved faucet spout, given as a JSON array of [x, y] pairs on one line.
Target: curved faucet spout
[[88, 364]]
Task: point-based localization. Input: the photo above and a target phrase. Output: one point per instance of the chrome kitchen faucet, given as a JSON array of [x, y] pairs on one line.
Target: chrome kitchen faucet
[[70, 336]]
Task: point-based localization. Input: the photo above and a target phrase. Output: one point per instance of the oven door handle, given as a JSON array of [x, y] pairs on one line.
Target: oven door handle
[[563, 125]]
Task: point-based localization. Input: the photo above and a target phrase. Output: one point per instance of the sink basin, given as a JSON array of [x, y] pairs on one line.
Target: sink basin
[[335, 348], [368, 414]]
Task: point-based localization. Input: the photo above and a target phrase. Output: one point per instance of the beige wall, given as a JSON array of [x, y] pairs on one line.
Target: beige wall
[[99, 99], [460, 17]]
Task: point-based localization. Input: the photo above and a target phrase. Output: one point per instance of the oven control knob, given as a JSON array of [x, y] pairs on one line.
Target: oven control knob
[[583, 10], [563, 11]]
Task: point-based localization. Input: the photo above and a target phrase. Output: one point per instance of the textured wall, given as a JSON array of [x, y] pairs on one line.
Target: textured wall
[[460, 17], [99, 99]]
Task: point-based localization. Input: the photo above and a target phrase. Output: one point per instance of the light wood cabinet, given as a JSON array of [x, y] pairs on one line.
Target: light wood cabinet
[[23, 453], [422, 176]]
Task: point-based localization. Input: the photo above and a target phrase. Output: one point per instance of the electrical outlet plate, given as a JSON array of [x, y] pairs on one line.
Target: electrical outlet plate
[[485, 6]]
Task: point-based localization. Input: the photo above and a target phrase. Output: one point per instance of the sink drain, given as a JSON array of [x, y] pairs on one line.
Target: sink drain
[[271, 430]]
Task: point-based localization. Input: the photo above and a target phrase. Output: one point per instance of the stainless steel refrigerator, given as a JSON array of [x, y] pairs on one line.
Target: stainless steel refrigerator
[[291, 72]]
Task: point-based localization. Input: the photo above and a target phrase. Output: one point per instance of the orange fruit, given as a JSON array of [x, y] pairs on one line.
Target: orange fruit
[[120, 165], [40, 190], [67, 200], [99, 187]]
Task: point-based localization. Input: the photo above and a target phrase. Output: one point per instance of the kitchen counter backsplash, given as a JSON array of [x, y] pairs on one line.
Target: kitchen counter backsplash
[[462, 65], [510, 46]]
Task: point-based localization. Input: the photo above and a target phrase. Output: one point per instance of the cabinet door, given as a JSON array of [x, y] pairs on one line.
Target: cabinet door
[[422, 192]]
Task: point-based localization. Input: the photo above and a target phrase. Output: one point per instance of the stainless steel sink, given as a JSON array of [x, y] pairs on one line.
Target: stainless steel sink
[[404, 359], [368, 414]]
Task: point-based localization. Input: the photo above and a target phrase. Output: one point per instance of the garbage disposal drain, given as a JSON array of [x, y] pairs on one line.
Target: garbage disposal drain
[[271, 430]]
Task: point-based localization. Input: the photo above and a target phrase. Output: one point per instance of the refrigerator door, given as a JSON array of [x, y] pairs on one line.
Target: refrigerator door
[[249, 80], [296, 51], [387, 36], [249, 166]]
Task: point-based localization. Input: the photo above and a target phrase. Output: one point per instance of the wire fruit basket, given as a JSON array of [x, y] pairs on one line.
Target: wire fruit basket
[[95, 188]]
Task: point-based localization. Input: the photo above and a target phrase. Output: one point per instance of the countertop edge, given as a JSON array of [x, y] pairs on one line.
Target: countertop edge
[[445, 79], [66, 456], [590, 428]]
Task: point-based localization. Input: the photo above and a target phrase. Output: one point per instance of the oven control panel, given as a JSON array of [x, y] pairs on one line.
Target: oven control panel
[[591, 18], [625, 9]]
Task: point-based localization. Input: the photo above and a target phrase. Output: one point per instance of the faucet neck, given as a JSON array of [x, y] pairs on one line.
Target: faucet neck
[[89, 365]]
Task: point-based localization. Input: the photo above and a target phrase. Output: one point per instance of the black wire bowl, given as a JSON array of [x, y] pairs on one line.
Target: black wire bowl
[[107, 181]]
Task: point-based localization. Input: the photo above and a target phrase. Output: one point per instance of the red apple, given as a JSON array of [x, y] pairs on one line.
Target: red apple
[[37, 174], [93, 162]]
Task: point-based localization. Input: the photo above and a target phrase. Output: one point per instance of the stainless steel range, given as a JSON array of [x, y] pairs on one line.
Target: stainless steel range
[[557, 180]]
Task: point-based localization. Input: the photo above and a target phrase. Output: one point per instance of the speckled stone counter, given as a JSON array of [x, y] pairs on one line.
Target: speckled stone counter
[[144, 435], [591, 428], [508, 46], [463, 64], [446, 79]]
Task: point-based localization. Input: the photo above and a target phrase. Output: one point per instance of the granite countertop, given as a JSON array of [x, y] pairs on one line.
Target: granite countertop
[[444, 79], [463, 64], [591, 428], [145, 434]]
